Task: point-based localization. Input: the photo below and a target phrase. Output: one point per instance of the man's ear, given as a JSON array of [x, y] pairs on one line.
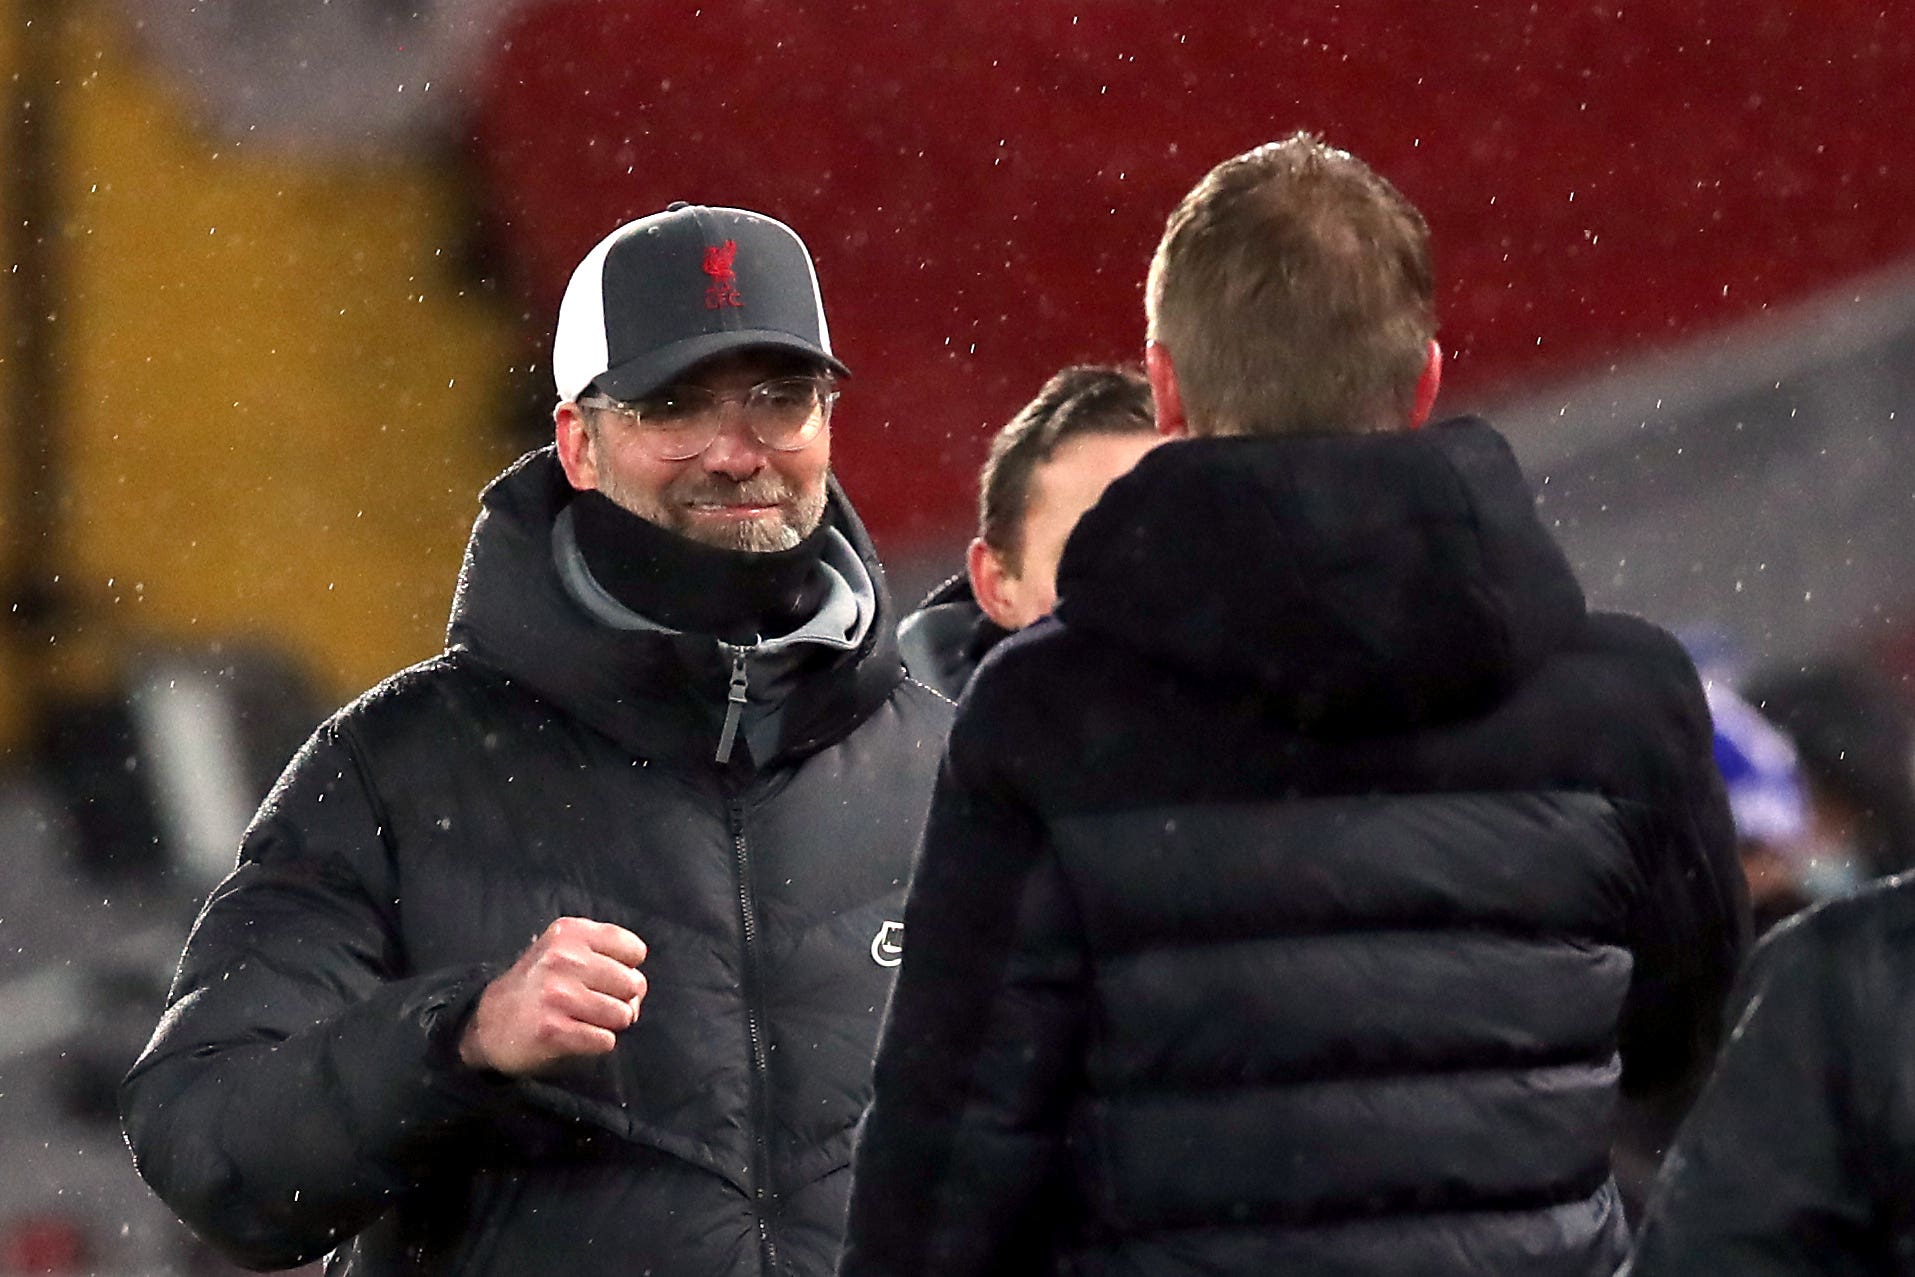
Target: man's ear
[[1427, 385], [988, 580], [1164, 392], [574, 446]]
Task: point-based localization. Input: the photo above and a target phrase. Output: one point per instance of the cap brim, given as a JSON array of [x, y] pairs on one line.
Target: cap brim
[[638, 377]]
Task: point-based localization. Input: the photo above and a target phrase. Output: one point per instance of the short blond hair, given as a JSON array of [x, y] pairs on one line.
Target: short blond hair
[[1294, 293]]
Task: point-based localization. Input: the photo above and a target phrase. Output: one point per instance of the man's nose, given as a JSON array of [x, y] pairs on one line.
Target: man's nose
[[734, 451]]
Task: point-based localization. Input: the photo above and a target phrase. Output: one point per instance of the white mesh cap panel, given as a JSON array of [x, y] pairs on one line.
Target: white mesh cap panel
[[578, 346]]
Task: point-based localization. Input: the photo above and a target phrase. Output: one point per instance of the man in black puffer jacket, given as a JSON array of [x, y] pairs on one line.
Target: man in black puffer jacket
[[670, 738], [1299, 897]]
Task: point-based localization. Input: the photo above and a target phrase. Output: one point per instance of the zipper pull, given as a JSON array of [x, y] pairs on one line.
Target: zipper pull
[[734, 703]]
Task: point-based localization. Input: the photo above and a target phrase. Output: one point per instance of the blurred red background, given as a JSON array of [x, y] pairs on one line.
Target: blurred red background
[[983, 184]]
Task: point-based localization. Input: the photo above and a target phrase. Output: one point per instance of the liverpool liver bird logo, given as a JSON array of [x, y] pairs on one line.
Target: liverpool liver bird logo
[[724, 279]]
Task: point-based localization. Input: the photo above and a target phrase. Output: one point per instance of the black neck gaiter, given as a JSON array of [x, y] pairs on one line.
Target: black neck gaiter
[[672, 580]]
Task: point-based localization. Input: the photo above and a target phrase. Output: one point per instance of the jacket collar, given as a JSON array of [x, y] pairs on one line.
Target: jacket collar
[[947, 637], [658, 693]]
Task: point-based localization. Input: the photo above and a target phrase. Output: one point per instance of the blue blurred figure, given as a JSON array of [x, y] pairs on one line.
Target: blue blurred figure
[[1769, 798]]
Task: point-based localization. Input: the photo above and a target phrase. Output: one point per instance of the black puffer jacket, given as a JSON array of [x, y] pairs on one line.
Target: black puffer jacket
[[303, 1090], [1799, 1157], [1295, 899]]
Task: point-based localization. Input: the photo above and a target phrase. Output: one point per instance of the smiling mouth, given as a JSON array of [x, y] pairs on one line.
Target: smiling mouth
[[730, 510]]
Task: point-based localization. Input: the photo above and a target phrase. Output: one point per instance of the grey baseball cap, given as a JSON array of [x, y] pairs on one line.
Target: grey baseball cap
[[664, 292]]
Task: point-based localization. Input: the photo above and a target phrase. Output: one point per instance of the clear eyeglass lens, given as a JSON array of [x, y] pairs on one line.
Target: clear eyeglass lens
[[680, 422]]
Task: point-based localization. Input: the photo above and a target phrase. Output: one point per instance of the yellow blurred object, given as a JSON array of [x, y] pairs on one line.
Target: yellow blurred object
[[278, 396]]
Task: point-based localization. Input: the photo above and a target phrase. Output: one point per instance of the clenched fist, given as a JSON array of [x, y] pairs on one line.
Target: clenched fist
[[571, 993]]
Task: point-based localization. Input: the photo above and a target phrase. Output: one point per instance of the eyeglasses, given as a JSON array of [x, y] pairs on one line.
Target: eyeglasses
[[679, 422]]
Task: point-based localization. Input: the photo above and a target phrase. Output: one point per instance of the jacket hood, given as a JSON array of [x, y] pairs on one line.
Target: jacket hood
[[1354, 583], [656, 693]]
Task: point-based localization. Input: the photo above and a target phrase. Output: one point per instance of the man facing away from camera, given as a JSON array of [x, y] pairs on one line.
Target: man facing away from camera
[[565, 950], [1052, 460], [1300, 895]]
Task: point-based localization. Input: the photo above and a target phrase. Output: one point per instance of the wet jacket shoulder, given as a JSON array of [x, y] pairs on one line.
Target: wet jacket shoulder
[[303, 1090], [1299, 897], [945, 638], [1799, 1156]]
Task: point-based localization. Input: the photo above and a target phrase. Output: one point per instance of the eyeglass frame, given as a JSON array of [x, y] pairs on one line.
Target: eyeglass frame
[[825, 391]]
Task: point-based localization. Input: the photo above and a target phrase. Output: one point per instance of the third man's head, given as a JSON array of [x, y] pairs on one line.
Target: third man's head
[[1048, 465]]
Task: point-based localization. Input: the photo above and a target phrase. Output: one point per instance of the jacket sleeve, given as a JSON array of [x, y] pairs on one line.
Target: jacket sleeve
[[961, 1158], [1765, 1178], [300, 1075], [1690, 927]]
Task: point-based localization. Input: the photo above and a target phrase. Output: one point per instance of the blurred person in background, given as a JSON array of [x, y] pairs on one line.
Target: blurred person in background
[[1769, 800], [1298, 895], [1818, 777], [1049, 464], [565, 951], [1855, 737]]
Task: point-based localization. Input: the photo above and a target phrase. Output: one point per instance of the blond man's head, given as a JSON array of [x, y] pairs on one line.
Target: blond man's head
[[1293, 293]]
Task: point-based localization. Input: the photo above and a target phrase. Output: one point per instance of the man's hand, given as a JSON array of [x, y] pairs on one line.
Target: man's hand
[[570, 994]]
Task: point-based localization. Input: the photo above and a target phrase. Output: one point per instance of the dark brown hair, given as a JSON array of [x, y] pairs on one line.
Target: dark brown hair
[[1084, 399]]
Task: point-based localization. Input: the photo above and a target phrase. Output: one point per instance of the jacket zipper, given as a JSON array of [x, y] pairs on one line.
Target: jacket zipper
[[754, 1034], [735, 693]]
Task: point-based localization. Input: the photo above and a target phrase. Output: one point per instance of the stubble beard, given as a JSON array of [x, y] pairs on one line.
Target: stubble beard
[[799, 513]]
